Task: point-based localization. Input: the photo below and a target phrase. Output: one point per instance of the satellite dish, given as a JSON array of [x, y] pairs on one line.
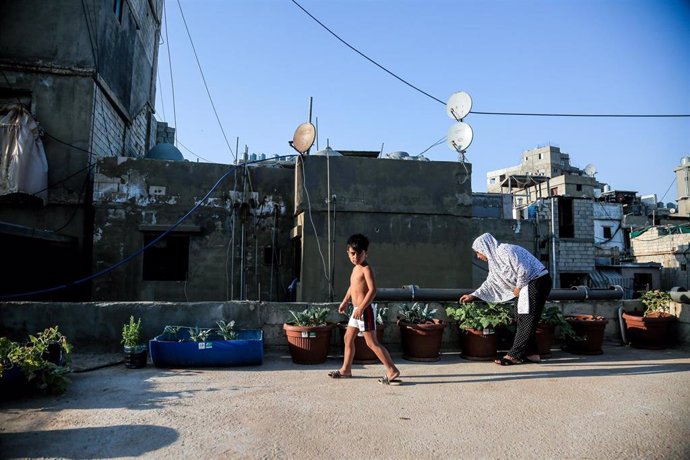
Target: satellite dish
[[459, 105], [459, 136], [590, 170], [303, 138]]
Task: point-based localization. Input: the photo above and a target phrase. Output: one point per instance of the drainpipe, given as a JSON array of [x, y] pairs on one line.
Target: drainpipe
[[554, 268]]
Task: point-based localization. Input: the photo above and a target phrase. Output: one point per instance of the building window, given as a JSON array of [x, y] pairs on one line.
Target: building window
[[273, 256], [117, 9], [540, 156], [566, 220], [554, 191], [168, 259], [607, 232], [578, 187], [683, 267], [492, 180]]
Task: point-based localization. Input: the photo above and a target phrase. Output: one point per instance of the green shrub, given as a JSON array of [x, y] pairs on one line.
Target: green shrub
[[417, 313], [479, 315], [656, 301], [310, 317], [131, 333]]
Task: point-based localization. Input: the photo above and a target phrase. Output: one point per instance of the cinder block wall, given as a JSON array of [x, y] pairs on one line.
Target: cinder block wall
[[96, 326]]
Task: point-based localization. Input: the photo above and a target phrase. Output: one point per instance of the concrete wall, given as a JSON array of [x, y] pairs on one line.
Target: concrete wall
[[672, 251], [415, 214], [228, 232], [98, 326]]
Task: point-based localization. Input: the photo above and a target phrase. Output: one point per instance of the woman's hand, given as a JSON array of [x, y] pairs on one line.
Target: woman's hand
[[516, 292], [467, 298]]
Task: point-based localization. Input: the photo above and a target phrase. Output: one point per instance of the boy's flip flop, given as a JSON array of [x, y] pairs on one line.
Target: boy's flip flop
[[338, 375], [386, 381]]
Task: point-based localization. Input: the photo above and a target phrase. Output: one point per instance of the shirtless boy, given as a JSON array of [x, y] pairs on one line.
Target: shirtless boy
[[361, 293]]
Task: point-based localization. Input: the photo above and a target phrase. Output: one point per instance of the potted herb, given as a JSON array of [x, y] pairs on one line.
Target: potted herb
[[41, 364], [134, 346], [478, 322], [309, 335], [552, 318], [364, 354], [588, 336], [421, 333], [652, 328], [185, 346]]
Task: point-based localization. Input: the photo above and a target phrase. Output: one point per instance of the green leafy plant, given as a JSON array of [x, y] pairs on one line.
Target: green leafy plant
[[480, 316], [381, 313], [197, 334], [310, 317], [226, 329], [554, 317], [43, 360], [171, 333], [131, 333], [656, 302], [417, 313]]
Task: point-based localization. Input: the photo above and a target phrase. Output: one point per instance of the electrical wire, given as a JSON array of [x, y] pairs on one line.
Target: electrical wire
[[136, 253], [316, 234], [172, 82], [669, 188], [187, 149], [521, 114], [438, 142], [204, 80]]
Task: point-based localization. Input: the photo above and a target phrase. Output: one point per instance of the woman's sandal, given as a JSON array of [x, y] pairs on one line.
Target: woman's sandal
[[505, 361]]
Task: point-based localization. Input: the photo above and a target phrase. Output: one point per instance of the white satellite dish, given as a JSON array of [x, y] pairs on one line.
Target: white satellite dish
[[459, 105], [303, 138], [459, 136], [590, 170]]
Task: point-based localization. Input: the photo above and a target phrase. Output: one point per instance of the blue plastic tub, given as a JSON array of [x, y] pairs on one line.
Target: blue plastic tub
[[246, 350]]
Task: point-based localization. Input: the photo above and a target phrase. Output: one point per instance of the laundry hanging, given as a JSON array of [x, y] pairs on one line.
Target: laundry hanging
[[23, 163]]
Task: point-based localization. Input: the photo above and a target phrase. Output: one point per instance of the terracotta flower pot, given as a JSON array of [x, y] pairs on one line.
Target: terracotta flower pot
[[363, 354], [589, 328], [544, 337], [308, 345], [478, 344], [652, 332], [421, 342]]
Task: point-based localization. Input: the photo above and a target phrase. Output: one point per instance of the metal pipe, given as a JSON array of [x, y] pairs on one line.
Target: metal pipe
[[412, 292], [680, 294]]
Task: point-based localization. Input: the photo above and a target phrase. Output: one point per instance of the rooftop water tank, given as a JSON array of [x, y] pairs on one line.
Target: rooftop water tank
[[165, 152]]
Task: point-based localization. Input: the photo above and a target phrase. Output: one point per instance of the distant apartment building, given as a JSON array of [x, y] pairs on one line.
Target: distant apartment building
[[683, 187]]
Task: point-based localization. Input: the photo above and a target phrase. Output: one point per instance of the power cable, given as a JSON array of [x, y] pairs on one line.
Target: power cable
[[522, 114], [204, 80], [438, 142], [669, 188], [172, 83]]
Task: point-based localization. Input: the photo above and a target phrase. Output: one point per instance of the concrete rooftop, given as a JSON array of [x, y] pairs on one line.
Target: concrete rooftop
[[626, 403]]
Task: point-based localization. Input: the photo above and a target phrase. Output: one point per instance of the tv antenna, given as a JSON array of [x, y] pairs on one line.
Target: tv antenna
[[303, 138]]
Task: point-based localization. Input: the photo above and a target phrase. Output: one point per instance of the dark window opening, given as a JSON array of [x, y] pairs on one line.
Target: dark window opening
[[683, 267], [578, 187], [273, 256], [168, 259], [569, 280], [607, 232], [642, 282], [566, 220]]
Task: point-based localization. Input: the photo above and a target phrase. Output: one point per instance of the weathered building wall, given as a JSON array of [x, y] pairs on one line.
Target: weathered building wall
[[575, 255], [238, 239], [417, 216], [672, 251], [87, 76]]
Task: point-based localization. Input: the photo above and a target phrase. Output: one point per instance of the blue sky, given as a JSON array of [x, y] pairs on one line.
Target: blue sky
[[263, 60]]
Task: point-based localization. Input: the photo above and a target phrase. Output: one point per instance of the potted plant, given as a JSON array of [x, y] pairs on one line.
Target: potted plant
[[420, 332], [652, 328], [478, 322], [588, 336], [41, 364], [364, 354], [184, 346], [134, 347], [552, 318], [309, 335]]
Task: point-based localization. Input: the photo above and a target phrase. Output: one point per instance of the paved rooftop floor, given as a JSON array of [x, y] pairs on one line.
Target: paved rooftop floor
[[626, 403]]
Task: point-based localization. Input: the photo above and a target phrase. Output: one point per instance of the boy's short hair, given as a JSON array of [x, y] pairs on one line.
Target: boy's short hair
[[358, 243]]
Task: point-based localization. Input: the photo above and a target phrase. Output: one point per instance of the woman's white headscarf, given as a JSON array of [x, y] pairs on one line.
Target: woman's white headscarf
[[500, 282]]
